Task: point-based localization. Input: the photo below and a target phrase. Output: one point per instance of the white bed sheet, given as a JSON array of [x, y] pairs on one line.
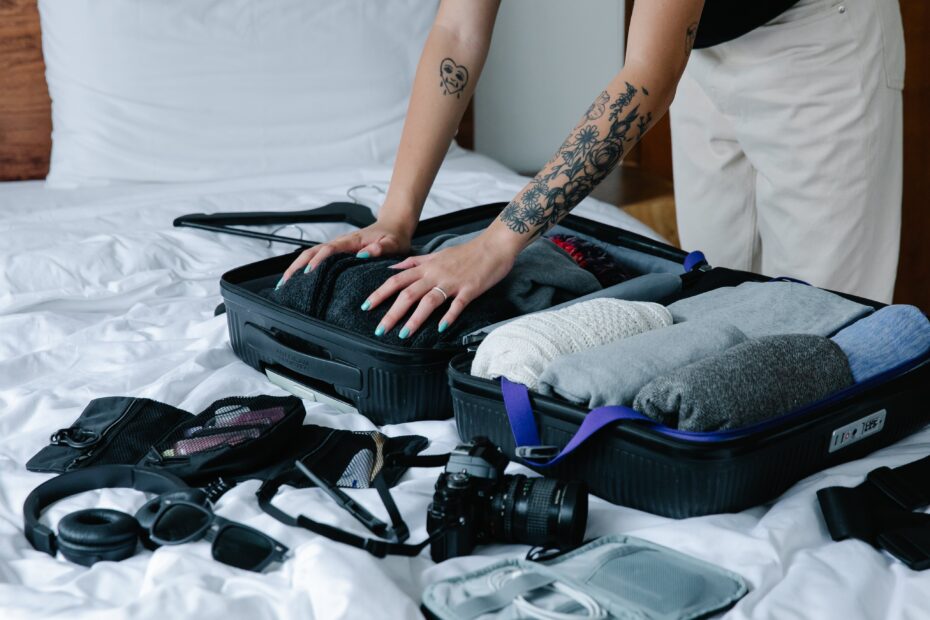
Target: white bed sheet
[[100, 296]]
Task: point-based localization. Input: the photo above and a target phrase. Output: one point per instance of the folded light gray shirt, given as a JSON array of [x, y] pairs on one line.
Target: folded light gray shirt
[[613, 373], [772, 308]]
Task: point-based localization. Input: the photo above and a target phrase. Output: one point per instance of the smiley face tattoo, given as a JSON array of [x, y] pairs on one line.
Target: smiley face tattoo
[[454, 77]]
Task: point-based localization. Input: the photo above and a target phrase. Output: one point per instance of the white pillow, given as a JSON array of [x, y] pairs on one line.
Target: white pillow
[[190, 90]]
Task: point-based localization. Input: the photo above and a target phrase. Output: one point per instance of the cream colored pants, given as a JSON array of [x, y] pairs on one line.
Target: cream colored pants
[[787, 147]]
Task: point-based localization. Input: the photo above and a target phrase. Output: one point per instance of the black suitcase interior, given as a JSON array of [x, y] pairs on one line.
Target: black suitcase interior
[[388, 384], [637, 464]]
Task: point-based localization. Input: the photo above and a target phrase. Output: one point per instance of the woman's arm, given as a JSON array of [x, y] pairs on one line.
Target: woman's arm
[[661, 35], [446, 76]]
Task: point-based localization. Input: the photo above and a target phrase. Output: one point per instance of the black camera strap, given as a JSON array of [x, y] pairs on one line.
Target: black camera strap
[[396, 533]]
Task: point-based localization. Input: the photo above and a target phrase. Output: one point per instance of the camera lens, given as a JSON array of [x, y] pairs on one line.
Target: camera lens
[[540, 511]]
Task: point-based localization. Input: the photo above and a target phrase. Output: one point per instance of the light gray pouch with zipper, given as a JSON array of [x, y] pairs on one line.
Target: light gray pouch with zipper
[[615, 577]]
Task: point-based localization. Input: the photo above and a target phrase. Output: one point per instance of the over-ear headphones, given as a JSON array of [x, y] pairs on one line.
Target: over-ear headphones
[[94, 534]]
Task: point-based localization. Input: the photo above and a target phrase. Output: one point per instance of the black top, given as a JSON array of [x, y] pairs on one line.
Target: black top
[[725, 20]]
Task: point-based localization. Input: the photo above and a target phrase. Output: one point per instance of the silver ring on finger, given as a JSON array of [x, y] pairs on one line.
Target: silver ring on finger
[[445, 297]]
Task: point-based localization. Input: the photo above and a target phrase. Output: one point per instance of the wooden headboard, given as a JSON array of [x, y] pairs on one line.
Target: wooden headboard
[[25, 109]]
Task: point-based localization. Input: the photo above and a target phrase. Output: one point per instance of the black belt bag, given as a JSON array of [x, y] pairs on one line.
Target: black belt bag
[[230, 439]]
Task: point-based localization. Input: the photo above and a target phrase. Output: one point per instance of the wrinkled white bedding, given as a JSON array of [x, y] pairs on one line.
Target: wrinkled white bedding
[[100, 296]]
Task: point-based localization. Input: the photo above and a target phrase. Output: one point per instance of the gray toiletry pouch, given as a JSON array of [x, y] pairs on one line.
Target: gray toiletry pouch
[[614, 577]]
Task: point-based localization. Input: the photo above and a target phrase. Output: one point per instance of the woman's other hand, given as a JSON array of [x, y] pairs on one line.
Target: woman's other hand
[[461, 273]]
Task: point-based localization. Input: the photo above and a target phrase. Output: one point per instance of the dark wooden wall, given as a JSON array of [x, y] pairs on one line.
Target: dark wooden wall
[[25, 109], [913, 286], [654, 155]]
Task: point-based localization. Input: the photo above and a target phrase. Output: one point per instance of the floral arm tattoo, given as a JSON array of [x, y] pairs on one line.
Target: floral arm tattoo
[[589, 153]]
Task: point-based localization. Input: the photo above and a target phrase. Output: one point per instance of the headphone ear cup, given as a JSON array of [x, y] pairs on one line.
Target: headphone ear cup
[[95, 534]]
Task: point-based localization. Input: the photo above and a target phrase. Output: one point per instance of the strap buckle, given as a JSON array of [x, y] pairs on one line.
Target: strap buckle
[[375, 547], [898, 488], [533, 453]]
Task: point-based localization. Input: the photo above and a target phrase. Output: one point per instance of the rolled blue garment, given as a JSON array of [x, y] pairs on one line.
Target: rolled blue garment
[[884, 340], [772, 309]]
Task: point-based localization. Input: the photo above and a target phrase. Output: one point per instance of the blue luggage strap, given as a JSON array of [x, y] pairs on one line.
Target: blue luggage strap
[[526, 437]]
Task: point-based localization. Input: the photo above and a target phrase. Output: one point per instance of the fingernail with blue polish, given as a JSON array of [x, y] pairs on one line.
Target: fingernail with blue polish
[[379, 331], [279, 284], [366, 306], [308, 268], [362, 254], [404, 333], [443, 326]]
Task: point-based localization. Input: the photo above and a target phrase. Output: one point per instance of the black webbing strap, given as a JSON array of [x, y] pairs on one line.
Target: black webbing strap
[[374, 546], [400, 459], [880, 511]]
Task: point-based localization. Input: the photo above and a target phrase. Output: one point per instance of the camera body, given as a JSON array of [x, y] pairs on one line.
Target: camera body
[[480, 504]]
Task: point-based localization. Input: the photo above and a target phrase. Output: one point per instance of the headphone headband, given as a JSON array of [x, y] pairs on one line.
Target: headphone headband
[[71, 483]]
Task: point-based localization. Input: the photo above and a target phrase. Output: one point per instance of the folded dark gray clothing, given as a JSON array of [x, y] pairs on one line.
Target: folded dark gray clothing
[[353, 286], [309, 293], [612, 374], [746, 384], [647, 287], [542, 276], [772, 308]]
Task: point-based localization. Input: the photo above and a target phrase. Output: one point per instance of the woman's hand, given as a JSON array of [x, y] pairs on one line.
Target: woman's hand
[[462, 272], [376, 240]]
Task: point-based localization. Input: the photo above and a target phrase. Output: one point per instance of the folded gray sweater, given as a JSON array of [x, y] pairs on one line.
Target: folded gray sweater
[[772, 308], [612, 374], [746, 384]]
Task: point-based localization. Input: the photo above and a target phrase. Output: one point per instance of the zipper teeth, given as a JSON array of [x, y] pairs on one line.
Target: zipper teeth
[[228, 429], [219, 431], [103, 442]]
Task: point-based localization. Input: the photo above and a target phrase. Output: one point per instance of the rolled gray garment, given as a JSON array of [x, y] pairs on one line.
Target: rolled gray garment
[[612, 374], [772, 308], [542, 276], [647, 287], [747, 384]]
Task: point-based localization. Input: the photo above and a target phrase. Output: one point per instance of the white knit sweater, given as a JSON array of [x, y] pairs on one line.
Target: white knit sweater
[[521, 350]]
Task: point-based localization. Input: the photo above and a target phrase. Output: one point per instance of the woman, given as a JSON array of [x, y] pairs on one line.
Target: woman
[[662, 34]]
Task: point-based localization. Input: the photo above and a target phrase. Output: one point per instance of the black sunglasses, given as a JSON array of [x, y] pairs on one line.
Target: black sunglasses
[[186, 516]]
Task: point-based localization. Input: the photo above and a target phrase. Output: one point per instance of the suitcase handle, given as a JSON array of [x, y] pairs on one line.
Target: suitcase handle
[[270, 350], [349, 212]]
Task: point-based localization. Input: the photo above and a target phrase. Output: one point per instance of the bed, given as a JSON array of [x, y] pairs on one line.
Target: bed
[[100, 295]]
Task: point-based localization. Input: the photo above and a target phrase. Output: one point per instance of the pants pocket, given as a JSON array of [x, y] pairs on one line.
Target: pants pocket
[[889, 17]]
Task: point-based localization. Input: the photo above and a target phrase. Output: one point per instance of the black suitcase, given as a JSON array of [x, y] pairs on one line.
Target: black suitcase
[[672, 473], [388, 384]]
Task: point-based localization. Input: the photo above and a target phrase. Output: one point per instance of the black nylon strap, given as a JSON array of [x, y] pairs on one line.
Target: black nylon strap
[[399, 530], [880, 512], [417, 460], [376, 547]]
